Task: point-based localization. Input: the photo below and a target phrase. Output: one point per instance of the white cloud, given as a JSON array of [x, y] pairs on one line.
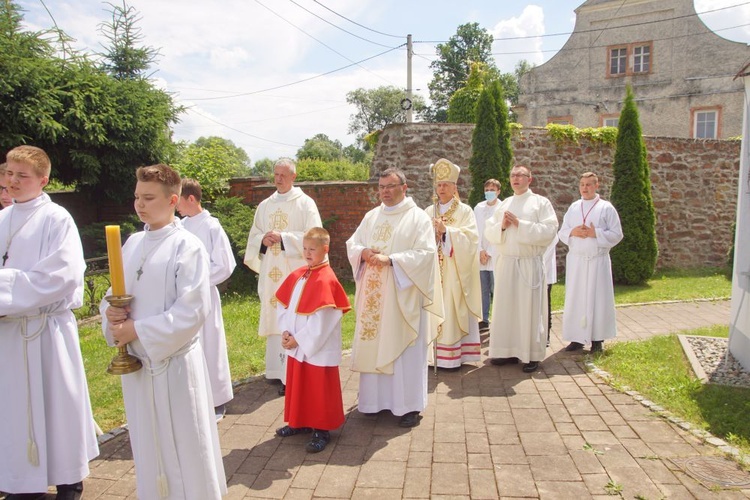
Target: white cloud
[[530, 23]]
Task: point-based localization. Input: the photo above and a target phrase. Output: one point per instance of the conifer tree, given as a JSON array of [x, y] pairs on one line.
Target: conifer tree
[[503, 138], [634, 258], [485, 156], [463, 103]]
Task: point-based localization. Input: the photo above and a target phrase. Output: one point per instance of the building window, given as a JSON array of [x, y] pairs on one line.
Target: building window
[[705, 123], [633, 59], [617, 61], [641, 59], [560, 120], [610, 120]]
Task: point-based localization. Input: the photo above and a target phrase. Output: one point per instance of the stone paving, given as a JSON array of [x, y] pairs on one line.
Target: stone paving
[[488, 432]]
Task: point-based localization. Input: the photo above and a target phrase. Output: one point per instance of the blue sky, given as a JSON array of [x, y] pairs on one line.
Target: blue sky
[[213, 51]]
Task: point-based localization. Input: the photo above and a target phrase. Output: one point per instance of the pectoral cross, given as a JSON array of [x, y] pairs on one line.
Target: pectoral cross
[[139, 272], [5, 257]]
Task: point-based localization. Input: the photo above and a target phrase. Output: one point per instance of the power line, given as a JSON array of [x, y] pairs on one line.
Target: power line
[[337, 27], [296, 82], [320, 42], [593, 30], [192, 109], [360, 25]]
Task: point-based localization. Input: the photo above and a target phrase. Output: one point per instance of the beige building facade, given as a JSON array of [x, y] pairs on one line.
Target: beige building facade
[[681, 72]]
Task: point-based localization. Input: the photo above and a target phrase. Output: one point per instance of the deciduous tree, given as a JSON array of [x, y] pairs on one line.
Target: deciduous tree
[[379, 107], [451, 69]]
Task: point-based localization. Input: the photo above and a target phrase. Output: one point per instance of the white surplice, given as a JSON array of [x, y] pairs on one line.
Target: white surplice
[[519, 309], [47, 401], [458, 338], [291, 214], [397, 307], [589, 312], [168, 402], [213, 337], [482, 213]]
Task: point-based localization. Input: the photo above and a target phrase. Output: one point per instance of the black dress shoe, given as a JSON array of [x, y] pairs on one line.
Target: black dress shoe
[[282, 390], [574, 346], [530, 367], [411, 419], [504, 361], [596, 346], [69, 491]]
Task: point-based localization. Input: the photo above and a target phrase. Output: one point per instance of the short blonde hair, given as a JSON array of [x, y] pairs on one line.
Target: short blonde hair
[[163, 174], [318, 235], [587, 175], [33, 156]]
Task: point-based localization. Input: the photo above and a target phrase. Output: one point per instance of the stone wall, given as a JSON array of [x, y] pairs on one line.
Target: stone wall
[[694, 182], [694, 185]]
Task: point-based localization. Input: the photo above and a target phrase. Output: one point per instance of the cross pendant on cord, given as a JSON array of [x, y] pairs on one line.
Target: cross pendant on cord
[[5, 257], [139, 272]]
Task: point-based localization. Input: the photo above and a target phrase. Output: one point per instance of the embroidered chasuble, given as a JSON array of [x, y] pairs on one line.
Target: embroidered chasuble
[[390, 300], [291, 214], [459, 272]]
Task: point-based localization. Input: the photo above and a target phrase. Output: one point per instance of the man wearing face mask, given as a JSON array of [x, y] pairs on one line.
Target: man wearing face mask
[[482, 212]]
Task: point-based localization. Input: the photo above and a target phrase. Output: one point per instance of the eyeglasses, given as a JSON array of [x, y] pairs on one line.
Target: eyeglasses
[[389, 186], [519, 175]]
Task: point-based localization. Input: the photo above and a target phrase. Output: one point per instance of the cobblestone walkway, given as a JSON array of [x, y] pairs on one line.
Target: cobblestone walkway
[[488, 432]]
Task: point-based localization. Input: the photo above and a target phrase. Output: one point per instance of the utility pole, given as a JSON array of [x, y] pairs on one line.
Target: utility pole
[[408, 78]]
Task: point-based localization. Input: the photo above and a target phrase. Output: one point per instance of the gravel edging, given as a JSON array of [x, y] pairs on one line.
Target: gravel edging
[[660, 411]]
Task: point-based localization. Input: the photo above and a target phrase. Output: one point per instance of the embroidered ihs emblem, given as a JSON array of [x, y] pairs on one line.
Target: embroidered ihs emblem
[[383, 232]]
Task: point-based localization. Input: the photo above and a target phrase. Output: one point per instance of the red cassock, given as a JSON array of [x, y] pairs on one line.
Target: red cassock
[[313, 392]]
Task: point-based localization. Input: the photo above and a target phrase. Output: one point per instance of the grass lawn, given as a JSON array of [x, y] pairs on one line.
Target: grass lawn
[[658, 369], [246, 349]]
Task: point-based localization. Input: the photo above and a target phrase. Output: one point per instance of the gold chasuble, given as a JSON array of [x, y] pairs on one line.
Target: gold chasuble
[[389, 300]]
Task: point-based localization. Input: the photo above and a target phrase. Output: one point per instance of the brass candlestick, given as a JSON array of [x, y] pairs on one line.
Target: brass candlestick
[[124, 362]]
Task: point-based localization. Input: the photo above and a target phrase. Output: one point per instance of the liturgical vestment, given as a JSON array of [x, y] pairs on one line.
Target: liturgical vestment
[[291, 214], [397, 307], [168, 402], [458, 336], [213, 338], [45, 402], [519, 314]]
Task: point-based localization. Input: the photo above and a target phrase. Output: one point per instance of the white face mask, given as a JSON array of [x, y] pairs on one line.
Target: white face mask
[[490, 195]]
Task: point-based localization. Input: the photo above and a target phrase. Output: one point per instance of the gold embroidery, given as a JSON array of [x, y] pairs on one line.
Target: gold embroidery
[[442, 171], [373, 301], [279, 220], [275, 274], [276, 249], [383, 232], [274, 301]]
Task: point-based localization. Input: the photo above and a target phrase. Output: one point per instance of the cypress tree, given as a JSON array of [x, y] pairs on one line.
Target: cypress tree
[[503, 138], [485, 149], [634, 258]]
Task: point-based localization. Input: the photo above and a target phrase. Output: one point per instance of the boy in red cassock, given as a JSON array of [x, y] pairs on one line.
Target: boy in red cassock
[[311, 303]]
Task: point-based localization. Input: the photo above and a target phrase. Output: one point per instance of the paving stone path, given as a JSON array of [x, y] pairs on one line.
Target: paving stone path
[[488, 432]]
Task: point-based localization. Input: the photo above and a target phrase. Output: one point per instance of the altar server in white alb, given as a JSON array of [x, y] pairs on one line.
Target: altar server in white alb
[[168, 402], [398, 302], [47, 431], [222, 262], [274, 249], [457, 242], [590, 228], [522, 229]]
